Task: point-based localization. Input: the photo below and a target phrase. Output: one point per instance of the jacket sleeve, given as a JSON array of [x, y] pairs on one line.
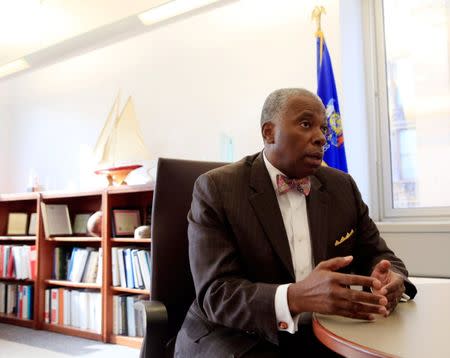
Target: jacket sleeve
[[372, 248], [224, 294]]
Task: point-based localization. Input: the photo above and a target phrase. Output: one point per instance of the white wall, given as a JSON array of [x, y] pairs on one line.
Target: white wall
[[192, 80], [4, 138], [353, 96]]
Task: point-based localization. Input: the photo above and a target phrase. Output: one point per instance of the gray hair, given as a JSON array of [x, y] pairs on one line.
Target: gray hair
[[275, 103]]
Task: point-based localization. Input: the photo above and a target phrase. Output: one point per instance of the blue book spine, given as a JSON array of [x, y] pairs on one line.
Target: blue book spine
[[29, 293], [129, 268], [69, 271]]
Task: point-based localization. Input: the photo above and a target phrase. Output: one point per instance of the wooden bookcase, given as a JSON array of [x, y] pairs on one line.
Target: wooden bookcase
[[134, 197], [27, 203]]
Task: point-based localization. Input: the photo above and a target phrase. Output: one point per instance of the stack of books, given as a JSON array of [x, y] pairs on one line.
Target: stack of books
[[16, 300], [128, 321], [18, 262], [77, 264], [76, 308], [131, 267]]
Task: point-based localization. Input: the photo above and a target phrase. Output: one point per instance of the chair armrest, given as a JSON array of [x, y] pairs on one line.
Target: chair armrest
[[154, 343]]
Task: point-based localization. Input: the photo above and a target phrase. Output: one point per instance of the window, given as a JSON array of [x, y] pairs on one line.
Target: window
[[413, 58]]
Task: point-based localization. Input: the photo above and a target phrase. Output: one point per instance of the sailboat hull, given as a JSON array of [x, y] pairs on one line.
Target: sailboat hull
[[117, 175]]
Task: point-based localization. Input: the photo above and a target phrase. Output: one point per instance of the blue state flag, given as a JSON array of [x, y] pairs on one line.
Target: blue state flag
[[326, 90]]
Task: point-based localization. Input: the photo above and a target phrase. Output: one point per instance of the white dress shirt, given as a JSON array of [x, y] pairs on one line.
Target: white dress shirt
[[295, 218]]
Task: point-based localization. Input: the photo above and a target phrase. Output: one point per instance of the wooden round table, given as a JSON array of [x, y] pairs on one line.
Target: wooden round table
[[418, 328]]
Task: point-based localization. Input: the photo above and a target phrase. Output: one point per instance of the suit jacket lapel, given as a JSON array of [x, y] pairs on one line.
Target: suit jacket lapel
[[265, 204], [317, 207]]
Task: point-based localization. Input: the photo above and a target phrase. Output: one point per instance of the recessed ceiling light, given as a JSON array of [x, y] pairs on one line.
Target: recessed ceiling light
[[171, 9], [13, 67]]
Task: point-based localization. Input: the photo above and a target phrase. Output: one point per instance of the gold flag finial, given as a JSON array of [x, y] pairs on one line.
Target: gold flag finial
[[316, 15]]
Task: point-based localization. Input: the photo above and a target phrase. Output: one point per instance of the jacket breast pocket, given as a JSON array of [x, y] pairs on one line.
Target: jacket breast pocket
[[343, 243]]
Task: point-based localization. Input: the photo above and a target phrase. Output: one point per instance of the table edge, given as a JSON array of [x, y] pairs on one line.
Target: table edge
[[344, 346]]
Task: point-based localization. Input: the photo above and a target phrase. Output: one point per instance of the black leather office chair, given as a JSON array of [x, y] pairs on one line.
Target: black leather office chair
[[172, 289]]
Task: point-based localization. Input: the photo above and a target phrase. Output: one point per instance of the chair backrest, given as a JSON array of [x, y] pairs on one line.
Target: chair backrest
[[171, 275]]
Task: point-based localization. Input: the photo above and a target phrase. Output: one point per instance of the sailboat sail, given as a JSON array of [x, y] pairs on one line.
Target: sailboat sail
[[121, 141], [107, 130]]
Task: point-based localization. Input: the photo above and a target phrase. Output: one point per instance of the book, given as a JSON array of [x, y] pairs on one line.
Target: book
[[79, 263], [75, 308], [131, 321], [17, 224], [120, 260], [80, 223], [29, 289], [16, 257], [116, 311], [32, 260], [11, 299], [56, 219], [61, 308], [137, 275], [129, 272], [3, 297], [95, 312], [98, 279], [2, 249], [115, 267], [67, 307], [47, 306], [84, 310], [19, 301], [145, 268], [33, 224], [90, 272], [54, 308], [10, 262], [123, 315]]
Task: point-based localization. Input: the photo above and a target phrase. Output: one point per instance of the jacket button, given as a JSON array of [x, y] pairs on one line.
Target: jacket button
[[282, 325]]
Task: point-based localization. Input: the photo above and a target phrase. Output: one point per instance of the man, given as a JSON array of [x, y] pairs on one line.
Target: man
[[266, 251]]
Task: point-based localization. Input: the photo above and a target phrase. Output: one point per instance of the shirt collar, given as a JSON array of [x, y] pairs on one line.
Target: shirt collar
[[273, 172]]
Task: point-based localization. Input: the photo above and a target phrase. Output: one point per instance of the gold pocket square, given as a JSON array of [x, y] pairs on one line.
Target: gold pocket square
[[343, 238]]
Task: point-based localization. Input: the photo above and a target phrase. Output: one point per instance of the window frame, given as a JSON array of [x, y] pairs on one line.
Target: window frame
[[379, 131]]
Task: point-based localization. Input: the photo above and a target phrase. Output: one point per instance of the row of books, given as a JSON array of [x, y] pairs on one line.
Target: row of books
[[76, 308], [78, 264], [130, 267], [16, 299], [127, 320], [18, 262]]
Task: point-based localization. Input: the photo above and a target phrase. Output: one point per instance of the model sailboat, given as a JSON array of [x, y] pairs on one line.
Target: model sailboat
[[120, 146]]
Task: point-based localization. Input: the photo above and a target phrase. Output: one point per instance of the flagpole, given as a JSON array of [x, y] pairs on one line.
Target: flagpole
[[317, 16], [334, 155]]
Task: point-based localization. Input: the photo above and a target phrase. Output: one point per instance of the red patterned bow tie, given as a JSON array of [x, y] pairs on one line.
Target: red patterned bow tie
[[285, 184]]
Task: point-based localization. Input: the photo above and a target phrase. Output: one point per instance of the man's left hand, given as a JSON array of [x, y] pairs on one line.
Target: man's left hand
[[392, 284]]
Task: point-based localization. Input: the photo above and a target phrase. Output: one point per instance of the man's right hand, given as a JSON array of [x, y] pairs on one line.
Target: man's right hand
[[326, 291]]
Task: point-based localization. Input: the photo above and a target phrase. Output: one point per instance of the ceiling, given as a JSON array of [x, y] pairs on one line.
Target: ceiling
[[28, 27]]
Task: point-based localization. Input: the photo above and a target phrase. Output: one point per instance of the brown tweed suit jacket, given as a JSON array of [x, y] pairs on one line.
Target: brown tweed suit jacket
[[239, 251]]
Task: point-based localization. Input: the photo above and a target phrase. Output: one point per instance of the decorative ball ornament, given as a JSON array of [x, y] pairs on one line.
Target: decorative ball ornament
[[94, 224], [142, 232]]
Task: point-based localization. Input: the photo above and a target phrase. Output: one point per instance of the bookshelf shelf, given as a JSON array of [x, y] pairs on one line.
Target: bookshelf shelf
[[12, 319], [72, 331], [15, 280], [17, 238], [74, 239], [130, 240], [133, 342], [73, 284], [129, 290], [127, 189], [138, 197]]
